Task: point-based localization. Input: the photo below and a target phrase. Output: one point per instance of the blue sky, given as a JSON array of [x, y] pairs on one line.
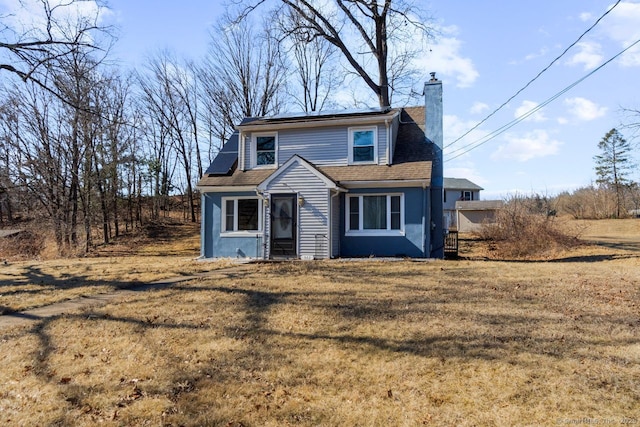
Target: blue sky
[[486, 51]]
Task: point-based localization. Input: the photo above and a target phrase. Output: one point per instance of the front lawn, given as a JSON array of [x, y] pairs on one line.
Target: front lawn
[[343, 343]]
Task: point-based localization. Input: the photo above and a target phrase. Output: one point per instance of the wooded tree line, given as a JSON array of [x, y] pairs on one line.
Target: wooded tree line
[[89, 149], [615, 193]]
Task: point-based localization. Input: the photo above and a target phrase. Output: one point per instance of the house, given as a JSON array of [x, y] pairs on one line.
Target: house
[[457, 189], [331, 184]]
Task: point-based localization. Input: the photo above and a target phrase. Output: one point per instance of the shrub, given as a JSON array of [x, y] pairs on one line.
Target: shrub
[[522, 230], [27, 244]]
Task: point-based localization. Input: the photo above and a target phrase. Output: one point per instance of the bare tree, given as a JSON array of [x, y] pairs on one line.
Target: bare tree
[[632, 119], [242, 76], [315, 71], [9, 157], [171, 101], [55, 30], [362, 31]]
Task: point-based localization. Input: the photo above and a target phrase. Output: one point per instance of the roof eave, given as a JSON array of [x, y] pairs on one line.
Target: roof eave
[[391, 183], [298, 124], [225, 188]]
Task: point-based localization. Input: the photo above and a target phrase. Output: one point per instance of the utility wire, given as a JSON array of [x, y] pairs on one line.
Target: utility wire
[[535, 78], [477, 143]]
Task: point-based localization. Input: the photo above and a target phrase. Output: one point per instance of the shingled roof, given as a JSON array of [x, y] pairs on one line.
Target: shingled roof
[[411, 159]]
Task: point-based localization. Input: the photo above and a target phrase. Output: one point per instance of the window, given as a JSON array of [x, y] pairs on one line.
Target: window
[[375, 214], [363, 145], [241, 215], [467, 195], [264, 149]]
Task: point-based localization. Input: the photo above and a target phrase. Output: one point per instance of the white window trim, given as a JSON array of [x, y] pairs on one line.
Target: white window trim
[[375, 144], [236, 232], [361, 231], [254, 150]]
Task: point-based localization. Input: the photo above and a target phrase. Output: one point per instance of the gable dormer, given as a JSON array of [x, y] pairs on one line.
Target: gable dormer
[[340, 138]]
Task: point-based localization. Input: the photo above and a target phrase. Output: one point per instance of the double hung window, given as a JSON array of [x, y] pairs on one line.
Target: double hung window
[[264, 149], [363, 145]]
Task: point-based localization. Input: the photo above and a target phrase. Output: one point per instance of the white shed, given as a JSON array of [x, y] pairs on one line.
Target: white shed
[[470, 215]]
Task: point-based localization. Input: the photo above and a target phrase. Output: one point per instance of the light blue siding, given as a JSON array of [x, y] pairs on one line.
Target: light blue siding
[[313, 210], [247, 151], [323, 146], [217, 246], [313, 223], [415, 238], [382, 144]]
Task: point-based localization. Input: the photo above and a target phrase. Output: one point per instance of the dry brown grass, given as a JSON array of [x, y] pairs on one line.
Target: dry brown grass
[[331, 343], [345, 343], [162, 252]]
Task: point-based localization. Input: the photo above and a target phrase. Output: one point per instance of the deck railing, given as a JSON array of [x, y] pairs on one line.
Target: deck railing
[[451, 245]]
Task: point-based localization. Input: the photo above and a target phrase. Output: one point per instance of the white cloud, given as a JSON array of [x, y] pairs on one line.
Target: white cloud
[[623, 26], [466, 170], [562, 120], [446, 58], [454, 128], [479, 108], [584, 109], [539, 54], [586, 16], [28, 16], [525, 108], [531, 145], [589, 55]]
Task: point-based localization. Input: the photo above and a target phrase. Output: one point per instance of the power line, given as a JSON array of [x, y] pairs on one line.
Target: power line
[[481, 141], [535, 78]]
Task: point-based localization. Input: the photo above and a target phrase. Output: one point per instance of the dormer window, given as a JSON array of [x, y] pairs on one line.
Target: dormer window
[[264, 149], [363, 145]]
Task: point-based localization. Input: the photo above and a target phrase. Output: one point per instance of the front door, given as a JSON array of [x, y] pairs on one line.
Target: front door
[[283, 225]]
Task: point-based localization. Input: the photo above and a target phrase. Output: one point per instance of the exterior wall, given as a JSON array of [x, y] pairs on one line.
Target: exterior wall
[[395, 125], [313, 215], [452, 196], [469, 221], [449, 219], [414, 243], [323, 146], [335, 226], [245, 151], [216, 246]]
